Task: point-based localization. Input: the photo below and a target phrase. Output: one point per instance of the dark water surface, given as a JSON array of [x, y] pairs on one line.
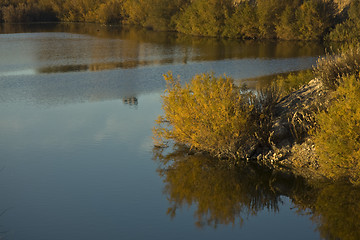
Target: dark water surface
[[77, 104]]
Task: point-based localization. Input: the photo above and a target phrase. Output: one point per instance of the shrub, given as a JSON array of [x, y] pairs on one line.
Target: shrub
[[314, 18], [350, 29], [209, 114], [204, 17], [136, 11], [27, 11], [286, 28], [80, 10], [337, 139], [293, 81], [267, 11], [331, 68], [111, 12], [242, 23], [160, 13]]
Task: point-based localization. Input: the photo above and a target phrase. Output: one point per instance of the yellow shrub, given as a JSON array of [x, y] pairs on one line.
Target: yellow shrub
[[111, 12], [209, 114], [338, 138], [331, 68]]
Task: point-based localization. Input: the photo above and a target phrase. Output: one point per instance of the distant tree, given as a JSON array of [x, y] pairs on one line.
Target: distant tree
[[242, 23], [136, 11], [314, 18], [161, 13], [349, 30], [111, 12], [204, 17], [286, 27], [267, 12]]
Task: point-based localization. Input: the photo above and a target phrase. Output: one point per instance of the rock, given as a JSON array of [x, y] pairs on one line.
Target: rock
[[295, 111], [292, 149]]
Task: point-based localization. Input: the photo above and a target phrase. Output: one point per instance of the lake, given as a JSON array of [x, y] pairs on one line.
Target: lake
[[78, 103]]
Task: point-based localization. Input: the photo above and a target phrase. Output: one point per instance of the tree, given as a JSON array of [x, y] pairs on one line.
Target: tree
[[314, 18], [242, 23], [286, 27], [204, 17]]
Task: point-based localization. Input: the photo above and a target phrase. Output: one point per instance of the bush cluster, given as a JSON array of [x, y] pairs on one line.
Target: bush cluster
[[27, 11], [209, 114], [293, 81], [102, 11], [349, 30], [155, 14], [212, 114], [337, 139], [337, 136], [302, 20], [331, 68], [203, 17]]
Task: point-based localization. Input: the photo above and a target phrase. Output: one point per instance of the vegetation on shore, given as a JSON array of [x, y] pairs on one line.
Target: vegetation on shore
[[258, 19], [214, 115], [337, 136]]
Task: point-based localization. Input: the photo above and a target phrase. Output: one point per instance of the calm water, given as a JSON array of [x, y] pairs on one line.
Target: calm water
[[77, 105]]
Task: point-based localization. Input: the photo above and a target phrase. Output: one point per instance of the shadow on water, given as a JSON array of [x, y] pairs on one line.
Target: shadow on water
[[224, 194]]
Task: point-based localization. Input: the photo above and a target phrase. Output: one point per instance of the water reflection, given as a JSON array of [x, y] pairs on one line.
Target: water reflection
[[95, 67], [91, 47], [132, 101], [337, 212], [68, 63], [210, 48], [224, 194]]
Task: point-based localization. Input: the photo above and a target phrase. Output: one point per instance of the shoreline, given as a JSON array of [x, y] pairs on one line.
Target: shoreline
[[292, 147]]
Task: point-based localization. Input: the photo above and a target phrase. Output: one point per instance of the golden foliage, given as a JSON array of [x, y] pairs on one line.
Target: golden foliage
[[293, 81], [331, 68], [110, 12], [209, 114], [337, 140]]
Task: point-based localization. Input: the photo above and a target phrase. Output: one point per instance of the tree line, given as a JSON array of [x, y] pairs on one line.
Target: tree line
[[252, 19]]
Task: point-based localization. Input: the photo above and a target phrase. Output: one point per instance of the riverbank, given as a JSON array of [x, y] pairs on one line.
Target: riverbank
[[292, 149], [323, 119], [260, 19], [313, 130]]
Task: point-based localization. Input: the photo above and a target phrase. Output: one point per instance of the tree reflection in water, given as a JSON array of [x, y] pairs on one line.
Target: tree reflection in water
[[337, 212], [226, 194], [223, 194]]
